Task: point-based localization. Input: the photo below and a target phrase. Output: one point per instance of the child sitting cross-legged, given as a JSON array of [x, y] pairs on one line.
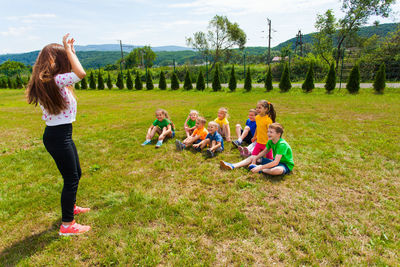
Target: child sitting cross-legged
[[213, 140], [198, 135], [282, 152]]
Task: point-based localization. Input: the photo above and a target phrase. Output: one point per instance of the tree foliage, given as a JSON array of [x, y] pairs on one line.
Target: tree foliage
[[330, 82], [162, 84], [174, 81], [326, 25], [149, 81], [10, 68], [92, 82], [380, 79], [187, 85], [285, 83], [120, 81], [308, 84], [200, 84], [140, 56], [84, 85], [247, 81], [222, 36], [138, 81], [232, 80], [353, 83], [216, 84], [268, 80], [109, 81], [100, 81], [129, 82]]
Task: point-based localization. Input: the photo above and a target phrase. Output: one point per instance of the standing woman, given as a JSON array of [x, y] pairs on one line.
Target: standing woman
[[56, 69]]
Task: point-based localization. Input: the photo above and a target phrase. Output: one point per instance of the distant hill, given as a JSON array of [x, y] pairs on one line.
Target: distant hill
[[96, 56], [381, 30]]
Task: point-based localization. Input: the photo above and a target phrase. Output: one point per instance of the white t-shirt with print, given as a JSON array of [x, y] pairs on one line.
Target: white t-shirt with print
[[69, 114]]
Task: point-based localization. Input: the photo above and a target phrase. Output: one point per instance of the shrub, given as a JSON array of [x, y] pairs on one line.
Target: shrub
[[129, 82], [120, 81], [200, 84], [285, 83], [109, 81], [77, 86], [188, 82], [84, 83], [330, 83], [162, 84], [174, 82], [100, 81], [268, 80], [9, 83], [232, 80], [149, 81], [353, 84], [247, 81], [216, 84], [92, 82], [380, 79], [308, 84], [138, 81]]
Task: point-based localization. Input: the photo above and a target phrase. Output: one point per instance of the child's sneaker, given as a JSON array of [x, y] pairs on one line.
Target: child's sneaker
[[179, 145], [159, 143], [236, 143], [78, 210], [209, 153], [146, 142], [198, 149], [252, 166], [73, 229], [226, 165]]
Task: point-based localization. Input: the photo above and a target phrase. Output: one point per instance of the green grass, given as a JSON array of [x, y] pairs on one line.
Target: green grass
[[340, 206]]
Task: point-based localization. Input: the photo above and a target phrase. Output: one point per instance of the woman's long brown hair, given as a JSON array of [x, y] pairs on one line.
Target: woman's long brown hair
[[42, 88]]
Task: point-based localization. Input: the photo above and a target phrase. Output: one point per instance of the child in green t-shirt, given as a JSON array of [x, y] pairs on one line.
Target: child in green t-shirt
[[282, 152], [163, 126], [190, 123]]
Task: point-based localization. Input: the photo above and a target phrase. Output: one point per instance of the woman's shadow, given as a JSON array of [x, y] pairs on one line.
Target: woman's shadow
[[16, 252]]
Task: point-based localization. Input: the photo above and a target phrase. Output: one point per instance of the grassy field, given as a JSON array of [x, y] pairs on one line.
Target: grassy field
[[340, 206]]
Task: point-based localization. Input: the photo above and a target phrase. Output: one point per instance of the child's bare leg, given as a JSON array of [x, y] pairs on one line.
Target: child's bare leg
[[203, 145], [165, 133], [152, 132], [245, 132], [274, 171], [189, 141], [226, 132], [238, 130], [244, 162], [187, 132]]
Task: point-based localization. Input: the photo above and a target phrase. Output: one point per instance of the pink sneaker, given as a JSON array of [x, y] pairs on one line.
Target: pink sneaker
[[73, 229], [78, 210]]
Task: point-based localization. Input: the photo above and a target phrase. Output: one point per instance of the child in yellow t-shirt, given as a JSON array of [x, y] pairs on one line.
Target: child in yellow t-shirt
[[198, 135], [223, 124]]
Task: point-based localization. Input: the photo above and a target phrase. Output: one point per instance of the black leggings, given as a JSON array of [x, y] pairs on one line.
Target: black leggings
[[58, 142]]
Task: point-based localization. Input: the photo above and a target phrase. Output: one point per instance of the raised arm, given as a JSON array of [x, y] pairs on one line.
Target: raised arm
[[73, 59]]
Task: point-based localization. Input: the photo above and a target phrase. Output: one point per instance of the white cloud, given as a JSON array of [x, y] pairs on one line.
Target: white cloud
[[31, 17], [16, 31]]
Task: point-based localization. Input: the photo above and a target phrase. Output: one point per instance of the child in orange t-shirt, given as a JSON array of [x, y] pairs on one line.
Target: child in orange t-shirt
[[198, 135]]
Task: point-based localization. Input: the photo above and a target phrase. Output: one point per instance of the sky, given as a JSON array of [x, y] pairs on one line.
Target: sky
[[27, 25]]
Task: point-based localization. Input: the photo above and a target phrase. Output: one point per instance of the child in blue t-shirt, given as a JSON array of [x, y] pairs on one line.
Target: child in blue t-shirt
[[214, 140], [246, 134]]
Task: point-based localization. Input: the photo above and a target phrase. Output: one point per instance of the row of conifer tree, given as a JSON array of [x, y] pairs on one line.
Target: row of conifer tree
[[353, 83]]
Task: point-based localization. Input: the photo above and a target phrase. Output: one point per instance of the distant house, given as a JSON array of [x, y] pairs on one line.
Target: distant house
[[279, 59]]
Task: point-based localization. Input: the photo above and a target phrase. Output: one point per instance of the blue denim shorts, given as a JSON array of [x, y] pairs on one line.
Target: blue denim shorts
[[266, 161]]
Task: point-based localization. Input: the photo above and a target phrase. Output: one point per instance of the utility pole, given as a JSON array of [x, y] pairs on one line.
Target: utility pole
[[299, 41], [122, 56], [269, 41]]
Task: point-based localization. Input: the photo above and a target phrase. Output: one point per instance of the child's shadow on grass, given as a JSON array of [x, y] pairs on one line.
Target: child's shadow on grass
[[29, 246], [273, 178]]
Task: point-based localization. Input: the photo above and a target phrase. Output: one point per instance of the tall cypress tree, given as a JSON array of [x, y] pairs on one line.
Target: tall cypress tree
[[138, 81], [216, 84], [353, 84], [3, 83], [149, 81], [232, 80], [100, 81], [162, 84], [120, 81], [84, 83], [247, 81], [188, 82], [285, 83], [77, 86], [92, 82], [380, 79], [109, 81], [200, 85], [330, 82], [174, 81], [129, 82], [268, 80], [308, 84]]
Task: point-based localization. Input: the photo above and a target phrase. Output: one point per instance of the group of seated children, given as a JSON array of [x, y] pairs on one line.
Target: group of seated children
[[267, 152]]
